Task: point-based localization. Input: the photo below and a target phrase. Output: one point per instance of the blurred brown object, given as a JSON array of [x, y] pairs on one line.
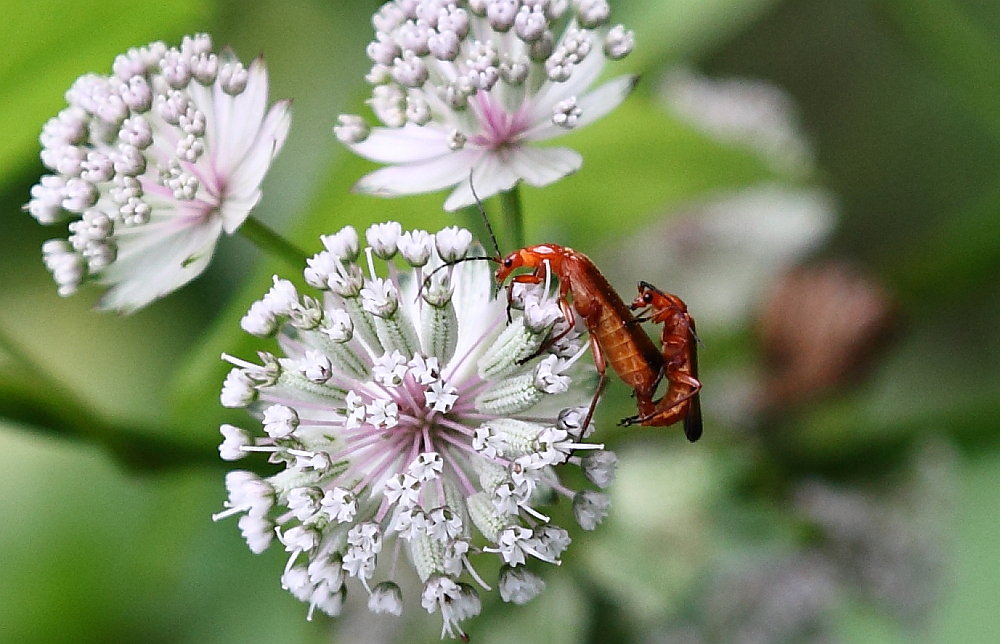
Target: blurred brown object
[[821, 327]]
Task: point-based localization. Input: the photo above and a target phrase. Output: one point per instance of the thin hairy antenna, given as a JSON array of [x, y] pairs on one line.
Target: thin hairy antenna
[[486, 220], [427, 280], [495, 259]]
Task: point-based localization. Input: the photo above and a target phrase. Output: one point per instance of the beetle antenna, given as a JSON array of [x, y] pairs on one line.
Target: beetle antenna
[[489, 229], [694, 334], [486, 220], [427, 279]]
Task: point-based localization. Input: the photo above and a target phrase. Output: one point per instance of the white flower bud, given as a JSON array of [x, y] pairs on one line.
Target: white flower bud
[[519, 585], [416, 247], [590, 508], [453, 243], [383, 238], [599, 467], [386, 597], [280, 421], [339, 326], [344, 244], [237, 390], [351, 128], [234, 440]]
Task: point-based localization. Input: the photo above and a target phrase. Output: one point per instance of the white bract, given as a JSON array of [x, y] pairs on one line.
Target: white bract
[[411, 420], [471, 87], [151, 164]]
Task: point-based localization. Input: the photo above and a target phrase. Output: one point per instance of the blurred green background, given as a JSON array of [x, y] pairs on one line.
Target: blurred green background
[[860, 506]]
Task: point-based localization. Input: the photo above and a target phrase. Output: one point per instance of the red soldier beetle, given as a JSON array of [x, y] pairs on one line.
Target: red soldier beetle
[[679, 348], [615, 337]]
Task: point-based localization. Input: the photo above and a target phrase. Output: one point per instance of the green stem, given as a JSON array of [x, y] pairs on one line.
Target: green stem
[[513, 218], [32, 397], [33, 381], [268, 240]]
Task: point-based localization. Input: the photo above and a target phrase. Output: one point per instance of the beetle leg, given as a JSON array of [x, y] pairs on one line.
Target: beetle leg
[[593, 403], [670, 410], [526, 278], [567, 311]]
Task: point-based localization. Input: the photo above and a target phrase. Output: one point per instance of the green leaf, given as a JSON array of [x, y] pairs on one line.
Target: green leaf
[[963, 55], [682, 28], [638, 162]]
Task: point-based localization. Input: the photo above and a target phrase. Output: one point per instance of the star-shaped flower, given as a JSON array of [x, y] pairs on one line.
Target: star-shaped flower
[[433, 426]]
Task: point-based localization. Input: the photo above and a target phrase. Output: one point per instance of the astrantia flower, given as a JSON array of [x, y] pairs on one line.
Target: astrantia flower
[[473, 86], [412, 422], [151, 164]]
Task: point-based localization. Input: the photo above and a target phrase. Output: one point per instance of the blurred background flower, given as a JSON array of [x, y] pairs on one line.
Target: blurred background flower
[[466, 93], [816, 180], [157, 160]]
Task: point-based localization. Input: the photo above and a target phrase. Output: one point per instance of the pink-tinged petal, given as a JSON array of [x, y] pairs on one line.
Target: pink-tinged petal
[[420, 176], [244, 183], [240, 118], [491, 175], [147, 272], [404, 144], [542, 166], [593, 106], [234, 211], [204, 100]]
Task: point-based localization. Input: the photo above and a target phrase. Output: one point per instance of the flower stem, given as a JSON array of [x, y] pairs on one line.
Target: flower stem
[[31, 396], [269, 241], [513, 218]]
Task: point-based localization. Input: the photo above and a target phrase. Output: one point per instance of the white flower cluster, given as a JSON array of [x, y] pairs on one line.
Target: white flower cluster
[[151, 164], [405, 409], [474, 84]]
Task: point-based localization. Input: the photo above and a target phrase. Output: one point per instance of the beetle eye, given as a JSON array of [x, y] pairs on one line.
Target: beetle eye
[[508, 262], [647, 298]]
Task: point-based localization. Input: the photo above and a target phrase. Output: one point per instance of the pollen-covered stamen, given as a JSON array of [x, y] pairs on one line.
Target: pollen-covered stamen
[[566, 113], [619, 42]]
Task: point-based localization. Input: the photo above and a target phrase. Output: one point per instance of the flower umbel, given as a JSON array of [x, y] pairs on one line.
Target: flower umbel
[[412, 421], [151, 164], [475, 85]]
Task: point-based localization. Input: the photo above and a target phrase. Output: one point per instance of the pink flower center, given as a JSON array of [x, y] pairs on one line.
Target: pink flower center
[[499, 129]]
